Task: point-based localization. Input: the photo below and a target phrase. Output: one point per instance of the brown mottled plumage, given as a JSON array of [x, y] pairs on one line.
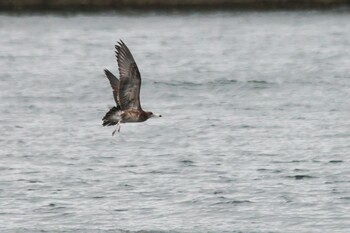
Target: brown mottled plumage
[[126, 91]]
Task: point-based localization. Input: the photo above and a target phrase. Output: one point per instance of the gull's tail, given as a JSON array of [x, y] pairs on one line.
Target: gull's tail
[[112, 117]]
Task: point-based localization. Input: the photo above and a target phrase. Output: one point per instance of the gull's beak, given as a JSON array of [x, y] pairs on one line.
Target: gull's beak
[[156, 115]]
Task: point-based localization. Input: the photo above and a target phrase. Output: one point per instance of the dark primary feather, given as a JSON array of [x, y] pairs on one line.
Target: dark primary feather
[[130, 79], [114, 81]]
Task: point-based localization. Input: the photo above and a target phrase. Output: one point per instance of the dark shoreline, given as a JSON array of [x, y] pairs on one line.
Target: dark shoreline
[[102, 5]]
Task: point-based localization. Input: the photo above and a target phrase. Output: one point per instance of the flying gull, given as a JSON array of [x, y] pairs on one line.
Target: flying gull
[[126, 91]]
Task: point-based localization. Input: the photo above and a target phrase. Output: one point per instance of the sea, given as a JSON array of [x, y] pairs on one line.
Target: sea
[[254, 138]]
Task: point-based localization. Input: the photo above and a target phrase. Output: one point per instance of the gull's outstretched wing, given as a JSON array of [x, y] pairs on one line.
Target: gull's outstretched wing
[[130, 79], [114, 81]]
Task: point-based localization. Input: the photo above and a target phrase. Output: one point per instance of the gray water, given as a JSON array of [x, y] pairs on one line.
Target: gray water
[[254, 135]]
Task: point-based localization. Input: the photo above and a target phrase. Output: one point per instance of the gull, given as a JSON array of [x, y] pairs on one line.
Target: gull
[[126, 91]]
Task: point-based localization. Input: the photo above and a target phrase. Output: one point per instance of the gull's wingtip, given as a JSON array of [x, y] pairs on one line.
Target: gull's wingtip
[[119, 44], [107, 72]]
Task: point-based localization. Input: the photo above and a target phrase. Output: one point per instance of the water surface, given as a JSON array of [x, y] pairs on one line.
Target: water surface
[[254, 135]]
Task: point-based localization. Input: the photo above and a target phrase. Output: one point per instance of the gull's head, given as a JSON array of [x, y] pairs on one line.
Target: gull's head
[[151, 114]]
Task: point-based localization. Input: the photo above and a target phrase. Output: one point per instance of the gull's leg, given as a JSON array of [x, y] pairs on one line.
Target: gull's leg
[[114, 132], [117, 128]]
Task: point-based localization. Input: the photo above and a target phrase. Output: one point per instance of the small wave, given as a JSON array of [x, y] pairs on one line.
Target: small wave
[[120, 210], [225, 81], [293, 161], [186, 162], [300, 170], [192, 84], [267, 154], [336, 182], [145, 231], [30, 181], [336, 161], [219, 82], [128, 165], [258, 81], [98, 197], [150, 231], [269, 170], [178, 83], [232, 202], [301, 177], [218, 192], [246, 127]]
